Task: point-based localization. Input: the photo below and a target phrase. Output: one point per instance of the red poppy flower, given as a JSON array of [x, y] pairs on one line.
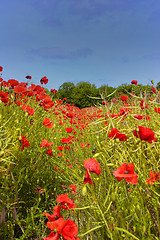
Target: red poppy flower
[[25, 107], [126, 171], [45, 143], [68, 147], [1, 68], [64, 199], [54, 91], [39, 190], [67, 228], [28, 77], [134, 82], [13, 82], [114, 100], [44, 80], [57, 224], [157, 110], [105, 102], [142, 117], [153, 177], [138, 116], [61, 148], [153, 89], [142, 105], [18, 102], [66, 140], [87, 178], [23, 140], [70, 115], [31, 111], [145, 133], [60, 154], [48, 123], [70, 166], [92, 165], [73, 187], [20, 89], [4, 96], [52, 236], [49, 151], [124, 98], [69, 129], [115, 133], [55, 215], [70, 230]]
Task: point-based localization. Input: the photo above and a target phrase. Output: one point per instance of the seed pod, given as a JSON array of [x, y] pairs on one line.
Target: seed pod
[[1, 153], [113, 197], [84, 190]]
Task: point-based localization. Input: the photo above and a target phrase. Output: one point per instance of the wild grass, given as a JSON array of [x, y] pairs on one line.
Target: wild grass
[[108, 209]]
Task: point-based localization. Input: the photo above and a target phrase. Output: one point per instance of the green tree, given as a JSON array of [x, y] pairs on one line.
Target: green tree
[[84, 94], [66, 91]]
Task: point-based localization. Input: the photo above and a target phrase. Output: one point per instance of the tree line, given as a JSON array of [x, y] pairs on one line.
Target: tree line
[[85, 94]]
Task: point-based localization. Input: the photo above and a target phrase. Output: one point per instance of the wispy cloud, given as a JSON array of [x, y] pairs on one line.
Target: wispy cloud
[[85, 10], [52, 22], [51, 11], [90, 9], [151, 57], [62, 53]]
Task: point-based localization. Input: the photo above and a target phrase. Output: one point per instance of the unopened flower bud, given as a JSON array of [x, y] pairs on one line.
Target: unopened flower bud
[[84, 190], [1, 153]]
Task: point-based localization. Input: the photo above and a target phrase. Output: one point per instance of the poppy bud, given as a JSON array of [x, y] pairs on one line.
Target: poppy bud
[[144, 229], [134, 228], [138, 208], [20, 138], [152, 81], [1, 153], [84, 190], [137, 129], [117, 140], [113, 197]]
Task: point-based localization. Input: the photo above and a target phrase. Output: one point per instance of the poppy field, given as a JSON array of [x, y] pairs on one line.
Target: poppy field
[[72, 174]]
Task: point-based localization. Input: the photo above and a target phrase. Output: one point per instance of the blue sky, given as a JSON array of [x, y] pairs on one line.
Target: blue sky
[[100, 41]]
